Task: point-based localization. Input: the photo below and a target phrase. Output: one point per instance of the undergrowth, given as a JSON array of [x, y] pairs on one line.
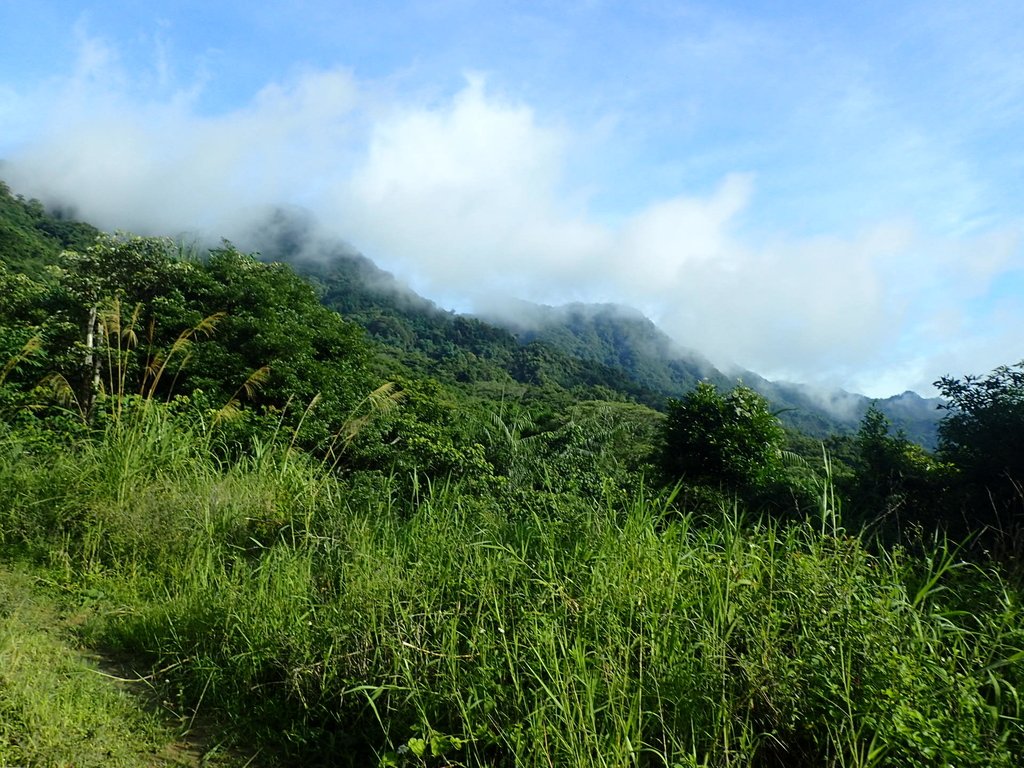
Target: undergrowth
[[346, 621], [57, 707]]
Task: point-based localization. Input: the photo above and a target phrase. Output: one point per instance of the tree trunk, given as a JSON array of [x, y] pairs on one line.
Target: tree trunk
[[91, 379]]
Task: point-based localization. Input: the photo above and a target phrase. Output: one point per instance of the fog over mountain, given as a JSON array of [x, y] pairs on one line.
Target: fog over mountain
[[476, 189], [623, 337], [612, 336]]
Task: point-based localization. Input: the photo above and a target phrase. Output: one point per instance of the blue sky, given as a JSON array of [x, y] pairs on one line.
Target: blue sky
[[825, 192]]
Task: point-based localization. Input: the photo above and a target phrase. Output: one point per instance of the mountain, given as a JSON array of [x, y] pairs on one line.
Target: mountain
[[576, 346], [612, 335], [557, 354], [32, 237], [427, 340], [623, 337]]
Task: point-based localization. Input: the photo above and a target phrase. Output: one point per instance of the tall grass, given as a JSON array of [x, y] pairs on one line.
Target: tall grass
[[334, 622]]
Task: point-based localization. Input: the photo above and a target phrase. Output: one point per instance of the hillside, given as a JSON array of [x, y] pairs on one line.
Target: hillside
[[576, 345], [32, 237], [623, 337], [427, 340], [439, 542], [613, 335], [572, 352]]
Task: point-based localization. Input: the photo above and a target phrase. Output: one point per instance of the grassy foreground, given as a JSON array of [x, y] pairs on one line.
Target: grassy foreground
[[322, 621], [61, 705]]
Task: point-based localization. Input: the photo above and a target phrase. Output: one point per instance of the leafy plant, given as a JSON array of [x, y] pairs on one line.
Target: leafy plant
[[721, 441], [431, 749], [982, 435]]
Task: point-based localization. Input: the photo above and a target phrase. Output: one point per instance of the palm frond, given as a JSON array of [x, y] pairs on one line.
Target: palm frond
[[207, 325], [110, 319], [61, 390], [384, 400], [128, 332], [182, 345], [252, 385]]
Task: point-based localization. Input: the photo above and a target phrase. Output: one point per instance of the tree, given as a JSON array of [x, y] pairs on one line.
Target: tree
[[730, 442], [879, 463], [117, 274], [982, 435], [272, 317], [128, 315], [894, 480]]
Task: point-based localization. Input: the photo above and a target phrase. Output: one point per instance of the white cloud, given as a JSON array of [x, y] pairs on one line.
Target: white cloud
[[465, 195], [471, 196], [152, 164], [677, 237]]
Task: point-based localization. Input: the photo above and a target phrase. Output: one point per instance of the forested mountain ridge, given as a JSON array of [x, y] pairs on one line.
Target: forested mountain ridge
[[613, 335], [623, 337], [622, 349], [426, 339], [596, 351], [32, 237]]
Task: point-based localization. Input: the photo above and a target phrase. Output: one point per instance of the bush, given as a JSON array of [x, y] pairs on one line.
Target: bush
[[729, 443]]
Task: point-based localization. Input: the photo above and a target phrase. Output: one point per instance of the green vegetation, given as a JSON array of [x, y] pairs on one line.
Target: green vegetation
[[731, 441], [30, 238], [322, 550], [56, 706], [983, 437], [331, 622], [465, 352]]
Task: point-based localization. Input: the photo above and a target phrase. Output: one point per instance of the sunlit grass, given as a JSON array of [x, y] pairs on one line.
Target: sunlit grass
[[335, 622], [57, 708]]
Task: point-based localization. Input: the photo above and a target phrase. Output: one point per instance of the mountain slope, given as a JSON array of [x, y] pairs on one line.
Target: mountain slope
[[430, 341], [614, 348], [623, 337], [577, 351], [31, 238], [616, 336]]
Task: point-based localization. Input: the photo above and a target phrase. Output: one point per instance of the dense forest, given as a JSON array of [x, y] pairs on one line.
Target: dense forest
[[325, 522]]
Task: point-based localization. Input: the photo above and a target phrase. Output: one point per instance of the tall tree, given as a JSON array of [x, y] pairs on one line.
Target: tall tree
[[94, 285]]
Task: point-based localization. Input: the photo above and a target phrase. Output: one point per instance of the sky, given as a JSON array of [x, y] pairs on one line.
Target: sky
[[823, 192]]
